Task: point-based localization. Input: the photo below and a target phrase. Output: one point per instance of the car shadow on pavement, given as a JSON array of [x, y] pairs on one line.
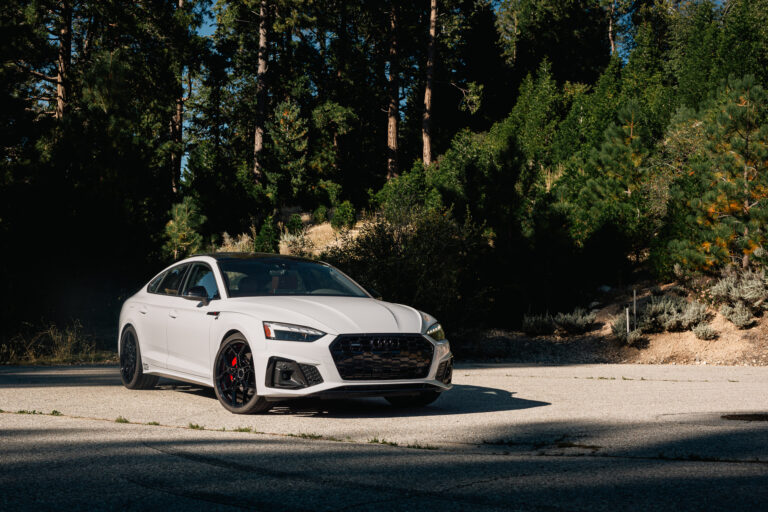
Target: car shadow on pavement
[[462, 399]]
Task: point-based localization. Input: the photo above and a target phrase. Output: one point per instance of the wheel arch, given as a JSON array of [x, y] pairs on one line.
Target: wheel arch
[[126, 326], [230, 333]]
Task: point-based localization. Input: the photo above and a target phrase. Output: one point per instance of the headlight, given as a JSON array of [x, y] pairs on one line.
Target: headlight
[[436, 332], [290, 332]]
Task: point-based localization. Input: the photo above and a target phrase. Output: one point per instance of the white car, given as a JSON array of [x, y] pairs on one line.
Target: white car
[[261, 328]]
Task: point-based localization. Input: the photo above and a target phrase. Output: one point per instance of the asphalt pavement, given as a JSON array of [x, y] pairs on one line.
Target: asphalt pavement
[[507, 437]]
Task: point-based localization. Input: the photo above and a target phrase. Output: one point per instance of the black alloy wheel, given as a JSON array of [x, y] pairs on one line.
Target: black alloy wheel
[[235, 378], [131, 372]]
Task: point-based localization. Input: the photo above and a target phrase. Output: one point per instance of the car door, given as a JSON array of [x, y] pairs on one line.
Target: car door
[[189, 324], [154, 309]]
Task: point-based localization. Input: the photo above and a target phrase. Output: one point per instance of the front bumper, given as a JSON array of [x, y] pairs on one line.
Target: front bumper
[[296, 370]]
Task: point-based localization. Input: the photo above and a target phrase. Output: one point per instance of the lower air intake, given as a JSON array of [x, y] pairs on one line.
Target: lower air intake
[[382, 356]]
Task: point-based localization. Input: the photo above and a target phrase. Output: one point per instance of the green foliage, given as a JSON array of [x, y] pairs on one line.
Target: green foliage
[[294, 225], [344, 216], [320, 214], [704, 331], [749, 288], [289, 134], [433, 264], [268, 239], [743, 296], [538, 325], [578, 321], [738, 314], [619, 331], [671, 313], [727, 220], [575, 165], [181, 232]]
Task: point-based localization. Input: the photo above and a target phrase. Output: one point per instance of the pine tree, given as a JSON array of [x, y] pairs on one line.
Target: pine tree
[[615, 191], [731, 215], [288, 131], [181, 232]]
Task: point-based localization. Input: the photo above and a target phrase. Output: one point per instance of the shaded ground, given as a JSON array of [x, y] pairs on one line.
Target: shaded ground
[[508, 437]]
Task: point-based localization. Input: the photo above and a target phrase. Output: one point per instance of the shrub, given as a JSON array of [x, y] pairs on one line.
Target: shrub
[[660, 313], [49, 343], [739, 315], [693, 314], [634, 337], [343, 216], [538, 325], [268, 239], [434, 264], [294, 225], [704, 331], [242, 243], [298, 245], [577, 322], [748, 288], [320, 215], [671, 313], [619, 331]]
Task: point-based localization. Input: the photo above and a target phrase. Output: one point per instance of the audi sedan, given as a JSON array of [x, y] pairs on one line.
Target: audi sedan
[[262, 328]]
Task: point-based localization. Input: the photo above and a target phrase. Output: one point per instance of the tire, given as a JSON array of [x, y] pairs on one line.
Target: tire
[[131, 372], [234, 378], [420, 400]]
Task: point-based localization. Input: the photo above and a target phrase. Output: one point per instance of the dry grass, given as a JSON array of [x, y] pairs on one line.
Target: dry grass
[[51, 344], [322, 237]]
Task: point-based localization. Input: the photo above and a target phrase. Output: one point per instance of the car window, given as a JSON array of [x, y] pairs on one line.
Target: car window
[[154, 284], [172, 282], [202, 275], [280, 276]]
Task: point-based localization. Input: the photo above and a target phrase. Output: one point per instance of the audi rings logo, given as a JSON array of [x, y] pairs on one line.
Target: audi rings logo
[[381, 344]]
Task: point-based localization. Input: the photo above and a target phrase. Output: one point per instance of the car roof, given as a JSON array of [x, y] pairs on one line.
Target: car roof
[[228, 256]]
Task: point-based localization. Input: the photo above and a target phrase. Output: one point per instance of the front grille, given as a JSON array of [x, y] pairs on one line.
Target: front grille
[[382, 356], [312, 374]]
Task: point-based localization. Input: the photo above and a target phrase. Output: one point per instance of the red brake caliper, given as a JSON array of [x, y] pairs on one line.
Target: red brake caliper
[[234, 363]]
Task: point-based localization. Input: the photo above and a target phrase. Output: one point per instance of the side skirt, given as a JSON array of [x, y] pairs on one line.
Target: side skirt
[[184, 377]]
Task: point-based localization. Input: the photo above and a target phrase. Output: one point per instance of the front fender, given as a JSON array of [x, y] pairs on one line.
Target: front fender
[[227, 322]]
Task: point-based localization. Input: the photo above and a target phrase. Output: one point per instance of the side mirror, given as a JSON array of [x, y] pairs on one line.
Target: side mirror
[[198, 293], [376, 295]]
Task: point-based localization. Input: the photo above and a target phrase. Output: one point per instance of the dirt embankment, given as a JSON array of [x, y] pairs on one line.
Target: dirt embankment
[[748, 347]]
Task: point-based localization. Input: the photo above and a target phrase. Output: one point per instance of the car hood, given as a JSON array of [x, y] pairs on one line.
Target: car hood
[[333, 315]]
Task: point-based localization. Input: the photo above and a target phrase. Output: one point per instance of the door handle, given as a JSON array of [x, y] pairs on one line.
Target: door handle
[[172, 314]]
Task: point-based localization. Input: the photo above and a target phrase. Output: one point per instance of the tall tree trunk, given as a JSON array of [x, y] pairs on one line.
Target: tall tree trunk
[[611, 13], [261, 94], [394, 97], [426, 122], [177, 127], [64, 59]]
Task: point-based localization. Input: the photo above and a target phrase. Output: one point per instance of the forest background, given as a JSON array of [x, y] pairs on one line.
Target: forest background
[[507, 157]]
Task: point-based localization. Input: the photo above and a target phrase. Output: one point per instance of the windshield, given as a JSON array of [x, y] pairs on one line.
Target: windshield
[[279, 276]]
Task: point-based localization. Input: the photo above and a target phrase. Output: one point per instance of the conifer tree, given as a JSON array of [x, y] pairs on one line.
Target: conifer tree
[[288, 131], [181, 232], [614, 192], [732, 213]]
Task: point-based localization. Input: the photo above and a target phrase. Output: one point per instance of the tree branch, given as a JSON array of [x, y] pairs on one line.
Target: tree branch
[[36, 74]]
